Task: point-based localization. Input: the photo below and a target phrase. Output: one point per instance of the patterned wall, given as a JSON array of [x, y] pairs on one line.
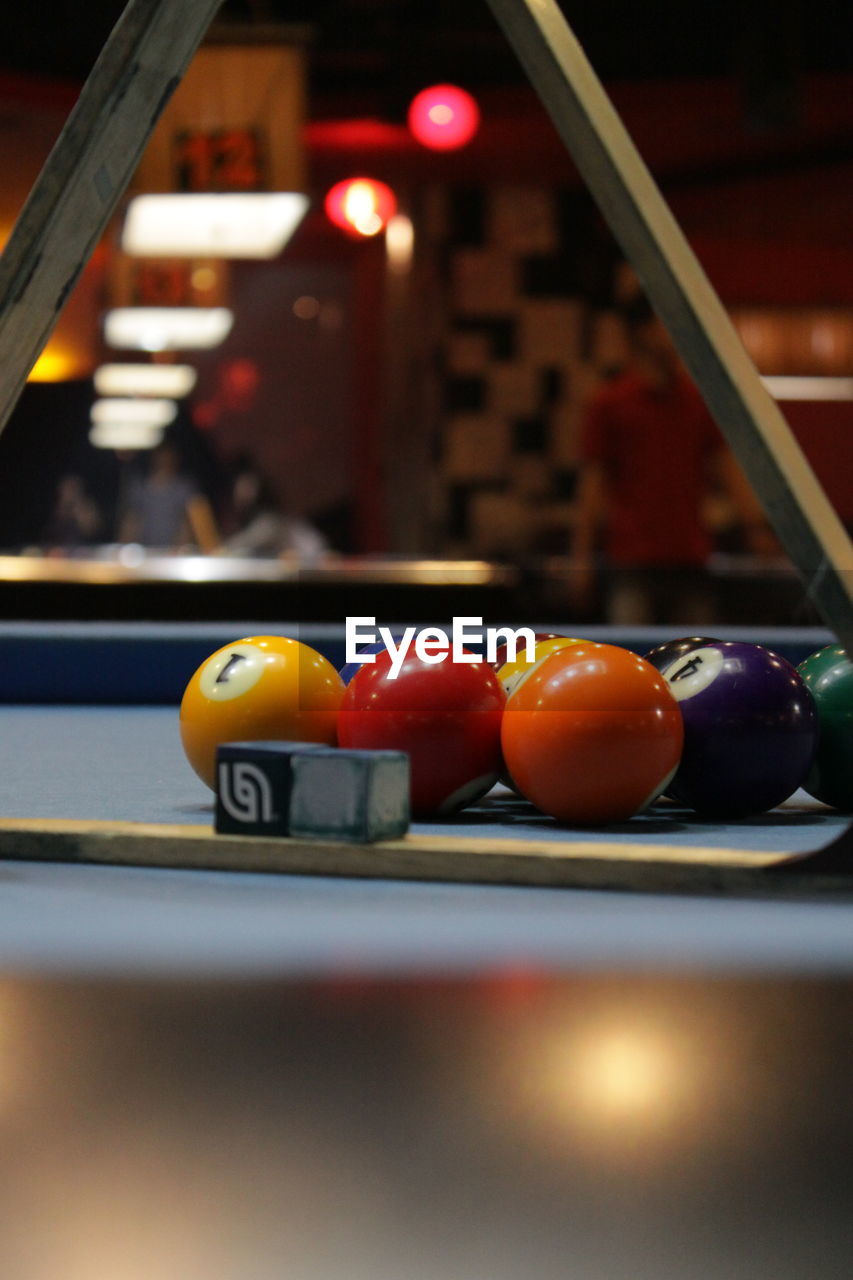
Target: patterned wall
[[529, 326]]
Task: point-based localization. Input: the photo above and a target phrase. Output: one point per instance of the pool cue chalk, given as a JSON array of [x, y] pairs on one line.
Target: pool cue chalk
[[254, 784], [311, 791], [349, 794]]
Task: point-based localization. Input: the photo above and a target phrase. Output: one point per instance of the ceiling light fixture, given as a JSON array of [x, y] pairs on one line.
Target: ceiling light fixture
[[167, 328], [254, 224]]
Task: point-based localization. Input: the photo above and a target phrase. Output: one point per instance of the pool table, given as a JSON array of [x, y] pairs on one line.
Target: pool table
[[93, 770], [248, 1073]]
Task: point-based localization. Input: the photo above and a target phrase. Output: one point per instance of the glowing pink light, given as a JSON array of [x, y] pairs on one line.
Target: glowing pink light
[[444, 117]]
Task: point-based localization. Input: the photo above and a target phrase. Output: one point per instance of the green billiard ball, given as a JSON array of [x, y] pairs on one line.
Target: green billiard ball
[[829, 675]]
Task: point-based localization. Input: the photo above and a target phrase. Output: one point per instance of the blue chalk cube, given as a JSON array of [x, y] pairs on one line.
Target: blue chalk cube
[[350, 795]]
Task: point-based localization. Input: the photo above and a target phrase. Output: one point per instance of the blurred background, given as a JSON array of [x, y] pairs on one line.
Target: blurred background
[[437, 1129], [404, 376]]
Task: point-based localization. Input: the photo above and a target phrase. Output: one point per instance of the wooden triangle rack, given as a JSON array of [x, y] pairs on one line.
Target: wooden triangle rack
[[143, 62]]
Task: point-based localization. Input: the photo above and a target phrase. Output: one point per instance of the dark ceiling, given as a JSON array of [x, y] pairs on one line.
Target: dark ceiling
[[392, 47]]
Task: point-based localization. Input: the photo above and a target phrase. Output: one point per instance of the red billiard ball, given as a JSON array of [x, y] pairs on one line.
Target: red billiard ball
[[348, 670], [592, 735], [446, 716]]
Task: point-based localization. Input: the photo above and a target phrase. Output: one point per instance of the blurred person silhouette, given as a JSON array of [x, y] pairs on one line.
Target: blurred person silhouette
[[75, 519], [165, 509], [652, 458], [260, 527]]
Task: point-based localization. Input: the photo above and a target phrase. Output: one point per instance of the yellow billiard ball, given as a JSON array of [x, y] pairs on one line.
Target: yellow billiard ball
[[262, 688], [512, 674]]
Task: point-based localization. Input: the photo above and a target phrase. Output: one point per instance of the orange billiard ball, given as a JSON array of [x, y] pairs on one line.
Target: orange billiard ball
[[262, 688], [592, 735]]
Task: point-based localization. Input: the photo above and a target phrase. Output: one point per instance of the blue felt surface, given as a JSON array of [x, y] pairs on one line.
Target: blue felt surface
[[126, 763], [123, 921]]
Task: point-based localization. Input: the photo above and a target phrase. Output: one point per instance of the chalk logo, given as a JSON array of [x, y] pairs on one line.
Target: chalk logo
[[245, 792]]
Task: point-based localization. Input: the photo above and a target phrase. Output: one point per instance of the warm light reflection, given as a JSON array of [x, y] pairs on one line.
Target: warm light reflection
[[196, 569], [148, 412], [306, 307], [102, 1223], [125, 435], [399, 242], [55, 365], [360, 209], [204, 279], [798, 341], [624, 1074], [791, 388], [167, 328], [15, 1051], [361, 206], [244, 225], [173, 380], [628, 1085]]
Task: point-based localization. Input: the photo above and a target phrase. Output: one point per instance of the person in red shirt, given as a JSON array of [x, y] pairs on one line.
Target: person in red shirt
[[650, 457]]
